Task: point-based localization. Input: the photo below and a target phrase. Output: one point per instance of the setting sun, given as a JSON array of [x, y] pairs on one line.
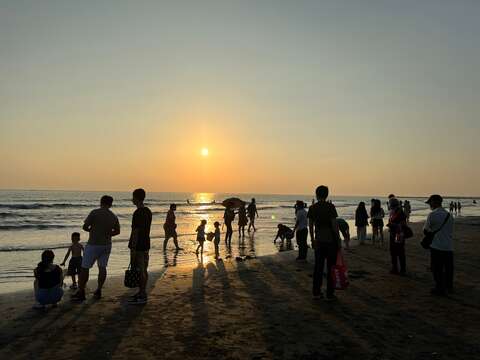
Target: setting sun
[[204, 152]]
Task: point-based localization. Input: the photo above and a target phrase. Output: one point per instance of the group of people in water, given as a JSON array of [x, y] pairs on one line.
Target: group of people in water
[[321, 221]]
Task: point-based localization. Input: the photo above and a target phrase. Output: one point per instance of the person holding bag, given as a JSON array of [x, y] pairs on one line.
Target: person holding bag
[[438, 238]]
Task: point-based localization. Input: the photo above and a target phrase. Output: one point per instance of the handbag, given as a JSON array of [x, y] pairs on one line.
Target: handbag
[[429, 235], [339, 273], [132, 277]]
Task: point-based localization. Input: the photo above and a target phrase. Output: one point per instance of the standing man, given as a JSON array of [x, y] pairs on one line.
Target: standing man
[[170, 228], [139, 244], [101, 224], [325, 238], [252, 212], [440, 222], [301, 228]]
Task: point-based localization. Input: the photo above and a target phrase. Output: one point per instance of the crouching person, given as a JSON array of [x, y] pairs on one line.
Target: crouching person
[[48, 281]]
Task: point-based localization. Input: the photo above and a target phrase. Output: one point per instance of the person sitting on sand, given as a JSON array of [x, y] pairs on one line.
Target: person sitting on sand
[[102, 224], [301, 230], [170, 228], [344, 229], [396, 224], [252, 212], [361, 222], [139, 244], [441, 249], [48, 281], [377, 214], [242, 220], [322, 217], [228, 217], [201, 237], [75, 263]]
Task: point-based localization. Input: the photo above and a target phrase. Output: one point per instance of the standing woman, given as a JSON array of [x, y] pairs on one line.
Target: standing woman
[[361, 222], [377, 214], [48, 281], [170, 228], [252, 212], [396, 224], [242, 220], [228, 218]]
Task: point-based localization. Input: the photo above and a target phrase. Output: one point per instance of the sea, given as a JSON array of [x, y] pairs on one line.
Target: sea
[[31, 221]]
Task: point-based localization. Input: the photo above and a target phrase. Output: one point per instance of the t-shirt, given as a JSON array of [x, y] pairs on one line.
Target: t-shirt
[[49, 279], [443, 239], [322, 213], [141, 221], [102, 222], [361, 217], [251, 209], [170, 221], [302, 220]]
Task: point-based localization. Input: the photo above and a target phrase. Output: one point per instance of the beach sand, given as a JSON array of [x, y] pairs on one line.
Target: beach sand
[[263, 309]]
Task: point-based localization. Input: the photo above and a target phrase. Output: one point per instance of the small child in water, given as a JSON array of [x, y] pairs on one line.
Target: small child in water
[[201, 236], [216, 240], [75, 263]]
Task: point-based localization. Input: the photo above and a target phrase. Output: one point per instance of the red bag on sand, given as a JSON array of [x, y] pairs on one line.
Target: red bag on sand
[[340, 273]]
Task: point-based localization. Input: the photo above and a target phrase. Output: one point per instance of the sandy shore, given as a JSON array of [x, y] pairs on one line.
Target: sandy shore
[[263, 309]]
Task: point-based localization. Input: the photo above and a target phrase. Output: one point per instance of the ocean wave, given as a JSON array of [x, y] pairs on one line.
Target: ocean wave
[[35, 227], [33, 206]]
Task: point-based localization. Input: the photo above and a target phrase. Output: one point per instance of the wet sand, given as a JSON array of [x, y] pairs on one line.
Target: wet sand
[[263, 309]]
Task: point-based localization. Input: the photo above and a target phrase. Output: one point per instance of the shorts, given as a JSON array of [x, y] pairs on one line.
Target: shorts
[[377, 223], [98, 253], [49, 296], [139, 259], [74, 266]]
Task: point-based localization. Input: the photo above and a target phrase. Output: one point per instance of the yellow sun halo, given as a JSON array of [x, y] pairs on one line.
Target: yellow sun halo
[[204, 152]]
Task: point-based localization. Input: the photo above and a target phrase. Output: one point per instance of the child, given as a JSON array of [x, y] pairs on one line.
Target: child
[[216, 240], [201, 236], [75, 263]]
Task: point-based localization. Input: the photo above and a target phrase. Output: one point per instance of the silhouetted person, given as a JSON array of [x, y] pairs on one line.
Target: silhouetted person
[[325, 240], [228, 218], [252, 212], [216, 239], [441, 249], [242, 220], [75, 263], [459, 207], [344, 229], [361, 222], [48, 281], [301, 230], [396, 224], [377, 214], [407, 208], [284, 233], [455, 207], [201, 237], [139, 244], [451, 206], [101, 224], [170, 228]]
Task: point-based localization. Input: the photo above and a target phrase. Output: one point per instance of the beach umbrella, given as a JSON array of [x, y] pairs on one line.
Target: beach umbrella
[[233, 202]]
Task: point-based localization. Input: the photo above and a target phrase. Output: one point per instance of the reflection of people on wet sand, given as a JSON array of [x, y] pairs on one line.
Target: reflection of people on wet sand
[[242, 220], [252, 212], [174, 259], [170, 228]]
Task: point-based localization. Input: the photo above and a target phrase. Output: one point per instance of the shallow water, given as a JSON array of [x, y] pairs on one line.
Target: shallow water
[[31, 221]]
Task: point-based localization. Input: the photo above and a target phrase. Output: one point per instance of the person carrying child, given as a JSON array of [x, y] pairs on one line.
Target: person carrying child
[[75, 263]]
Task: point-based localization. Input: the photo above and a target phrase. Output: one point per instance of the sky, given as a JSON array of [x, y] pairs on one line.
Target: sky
[[368, 97]]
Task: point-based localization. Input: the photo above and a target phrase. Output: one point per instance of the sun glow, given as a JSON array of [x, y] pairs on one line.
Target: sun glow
[[204, 152]]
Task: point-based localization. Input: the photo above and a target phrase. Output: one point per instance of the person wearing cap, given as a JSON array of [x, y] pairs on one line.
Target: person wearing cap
[[396, 223], [441, 249], [301, 230]]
